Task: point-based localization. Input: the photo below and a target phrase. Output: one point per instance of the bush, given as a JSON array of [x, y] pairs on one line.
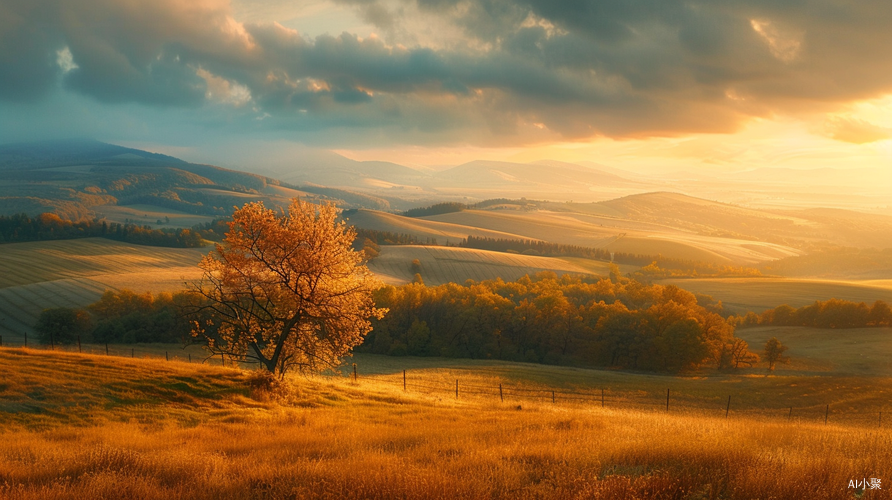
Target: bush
[[63, 325], [265, 386]]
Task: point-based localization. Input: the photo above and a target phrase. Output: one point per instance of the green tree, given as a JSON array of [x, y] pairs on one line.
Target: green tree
[[774, 353]]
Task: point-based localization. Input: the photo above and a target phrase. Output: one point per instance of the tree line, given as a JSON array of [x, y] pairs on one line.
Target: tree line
[[120, 317], [833, 313], [435, 209], [49, 226], [571, 320]]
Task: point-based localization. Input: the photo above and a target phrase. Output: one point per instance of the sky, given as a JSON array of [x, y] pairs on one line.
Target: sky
[[648, 85]]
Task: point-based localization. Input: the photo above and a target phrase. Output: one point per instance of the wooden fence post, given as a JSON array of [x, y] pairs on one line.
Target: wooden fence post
[[132, 353], [190, 357], [166, 357], [456, 388], [667, 399], [222, 360], [552, 397], [790, 416], [355, 377], [501, 396], [602, 397], [106, 349], [728, 408], [404, 380]]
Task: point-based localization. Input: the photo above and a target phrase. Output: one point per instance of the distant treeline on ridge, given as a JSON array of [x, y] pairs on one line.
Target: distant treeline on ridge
[[48, 226], [436, 209], [833, 313]]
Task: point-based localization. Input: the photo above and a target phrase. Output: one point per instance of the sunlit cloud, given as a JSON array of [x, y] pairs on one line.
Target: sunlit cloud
[[784, 45], [495, 77], [65, 60], [855, 131]]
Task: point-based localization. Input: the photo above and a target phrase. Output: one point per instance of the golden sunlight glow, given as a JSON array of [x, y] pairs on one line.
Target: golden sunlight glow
[[822, 141]]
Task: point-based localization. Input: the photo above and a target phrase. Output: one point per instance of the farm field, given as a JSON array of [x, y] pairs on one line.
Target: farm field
[[620, 234], [422, 228], [600, 230], [149, 215], [758, 294], [441, 265], [169, 430], [74, 273]]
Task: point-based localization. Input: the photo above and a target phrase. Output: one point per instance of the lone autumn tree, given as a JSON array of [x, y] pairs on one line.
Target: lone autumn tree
[[774, 353], [286, 290]]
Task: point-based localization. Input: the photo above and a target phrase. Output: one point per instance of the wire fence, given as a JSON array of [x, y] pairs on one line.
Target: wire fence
[[192, 353], [516, 393], [649, 399]]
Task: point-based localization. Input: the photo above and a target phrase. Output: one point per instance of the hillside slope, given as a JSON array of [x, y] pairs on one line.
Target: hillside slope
[[74, 273], [441, 265]]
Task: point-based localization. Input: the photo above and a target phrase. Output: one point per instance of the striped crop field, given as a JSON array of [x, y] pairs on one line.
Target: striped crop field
[[74, 273]]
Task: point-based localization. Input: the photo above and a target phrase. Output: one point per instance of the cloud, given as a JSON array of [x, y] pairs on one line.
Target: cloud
[[855, 131], [459, 71]]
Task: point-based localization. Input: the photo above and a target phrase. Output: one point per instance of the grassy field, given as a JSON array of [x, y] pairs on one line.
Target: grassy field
[[422, 228], [74, 273], [758, 294], [149, 215], [849, 352], [79, 426], [443, 265], [614, 232], [621, 234]]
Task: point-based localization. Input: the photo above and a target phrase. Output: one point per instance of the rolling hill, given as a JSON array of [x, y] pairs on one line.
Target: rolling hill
[[74, 273], [441, 265], [670, 224], [596, 225], [89, 179], [740, 295]]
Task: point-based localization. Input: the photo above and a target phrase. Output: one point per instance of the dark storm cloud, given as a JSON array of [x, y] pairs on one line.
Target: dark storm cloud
[[525, 68]]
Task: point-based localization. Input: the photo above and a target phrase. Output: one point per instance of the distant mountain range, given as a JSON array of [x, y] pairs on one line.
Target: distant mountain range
[[73, 178]]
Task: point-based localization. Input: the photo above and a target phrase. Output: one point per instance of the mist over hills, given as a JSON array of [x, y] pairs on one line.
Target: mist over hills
[[569, 203], [847, 187], [85, 179]]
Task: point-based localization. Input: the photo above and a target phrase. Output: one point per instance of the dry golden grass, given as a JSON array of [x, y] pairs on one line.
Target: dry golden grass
[[331, 438]]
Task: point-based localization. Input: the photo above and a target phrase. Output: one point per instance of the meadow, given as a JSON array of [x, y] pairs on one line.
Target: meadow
[[86, 426], [615, 233], [740, 295], [441, 265]]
